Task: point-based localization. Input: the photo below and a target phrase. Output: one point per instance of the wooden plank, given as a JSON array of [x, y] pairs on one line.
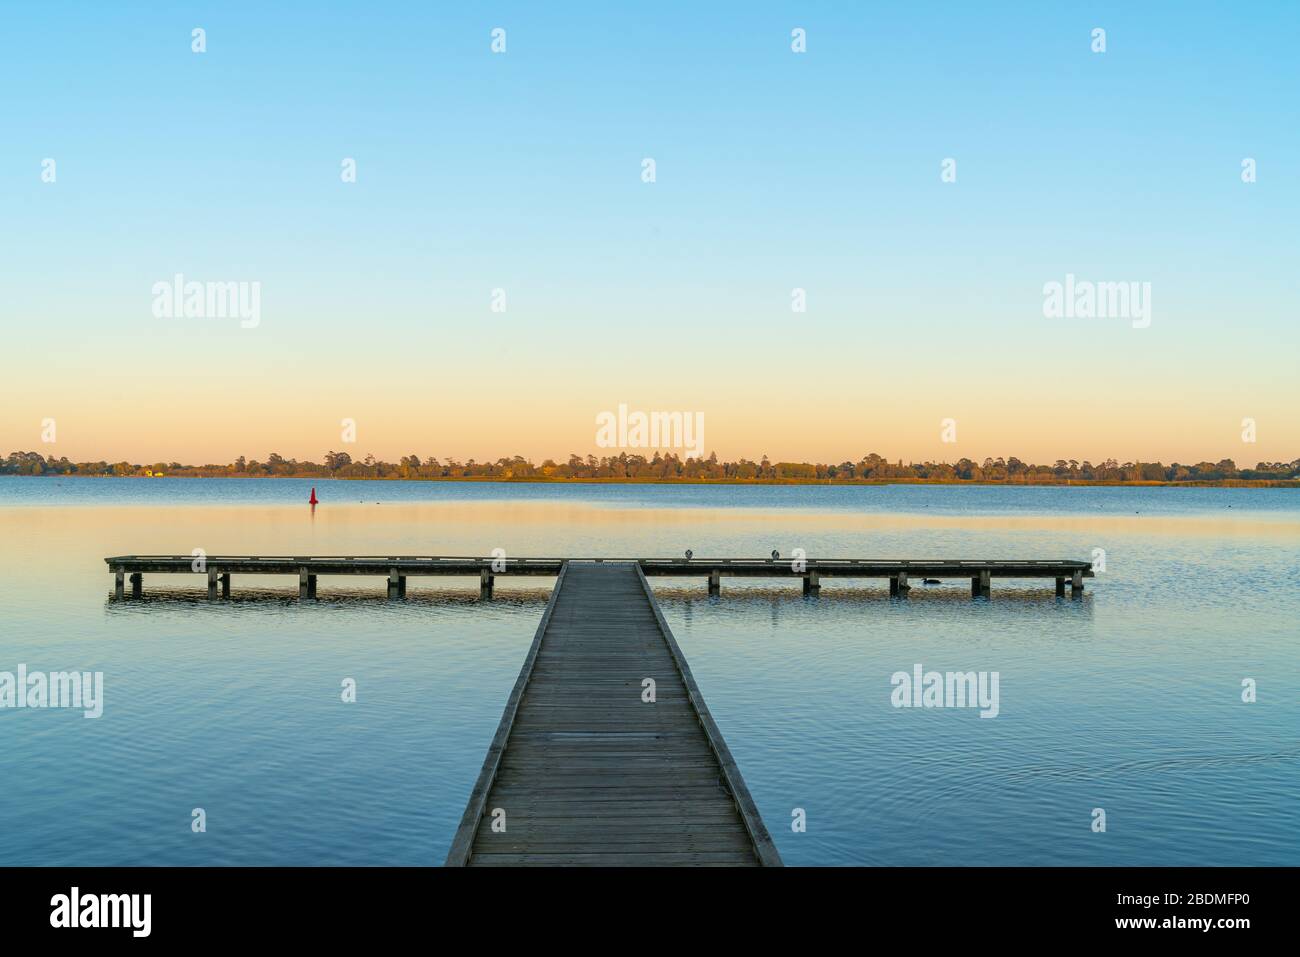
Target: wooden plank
[[734, 844], [541, 822], [625, 828], [537, 791], [610, 859]]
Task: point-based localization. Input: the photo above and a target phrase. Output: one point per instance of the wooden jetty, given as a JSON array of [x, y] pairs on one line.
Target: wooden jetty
[[900, 573], [606, 753]]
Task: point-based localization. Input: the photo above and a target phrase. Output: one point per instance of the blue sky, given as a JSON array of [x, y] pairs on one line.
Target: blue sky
[[774, 170]]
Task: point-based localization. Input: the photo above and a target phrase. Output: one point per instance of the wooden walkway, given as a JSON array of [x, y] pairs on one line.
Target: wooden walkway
[[397, 568], [582, 770]]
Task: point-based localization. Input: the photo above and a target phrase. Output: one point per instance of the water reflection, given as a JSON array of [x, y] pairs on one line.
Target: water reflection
[[777, 598], [453, 593], [340, 598]]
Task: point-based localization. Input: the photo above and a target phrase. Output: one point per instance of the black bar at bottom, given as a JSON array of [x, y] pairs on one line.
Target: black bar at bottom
[[336, 905]]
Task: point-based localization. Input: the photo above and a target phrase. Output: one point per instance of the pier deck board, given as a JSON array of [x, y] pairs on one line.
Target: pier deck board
[[586, 772]]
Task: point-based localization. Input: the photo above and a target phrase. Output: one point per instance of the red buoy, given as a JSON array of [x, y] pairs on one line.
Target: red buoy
[[312, 500]]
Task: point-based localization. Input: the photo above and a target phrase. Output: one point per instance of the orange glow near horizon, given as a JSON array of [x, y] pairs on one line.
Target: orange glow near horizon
[[825, 427]]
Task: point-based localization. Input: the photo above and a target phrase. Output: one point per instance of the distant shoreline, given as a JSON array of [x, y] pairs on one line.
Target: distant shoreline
[[545, 480], [637, 469]]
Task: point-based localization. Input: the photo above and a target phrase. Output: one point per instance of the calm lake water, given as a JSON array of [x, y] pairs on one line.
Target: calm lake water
[[1129, 700]]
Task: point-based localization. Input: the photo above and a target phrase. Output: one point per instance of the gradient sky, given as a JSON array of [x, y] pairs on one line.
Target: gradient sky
[[775, 170]]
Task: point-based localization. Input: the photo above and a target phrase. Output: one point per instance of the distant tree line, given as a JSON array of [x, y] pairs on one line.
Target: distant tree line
[[671, 468]]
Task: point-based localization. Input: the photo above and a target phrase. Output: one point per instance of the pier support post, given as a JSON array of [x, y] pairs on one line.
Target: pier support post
[[225, 584], [396, 584], [485, 583], [1060, 587], [898, 586], [311, 587], [812, 584], [302, 583], [715, 582], [119, 583], [981, 585], [137, 585], [212, 584], [1076, 585]]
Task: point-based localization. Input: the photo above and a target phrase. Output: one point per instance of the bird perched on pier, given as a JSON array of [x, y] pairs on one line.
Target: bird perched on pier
[[689, 554], [775, 554]]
